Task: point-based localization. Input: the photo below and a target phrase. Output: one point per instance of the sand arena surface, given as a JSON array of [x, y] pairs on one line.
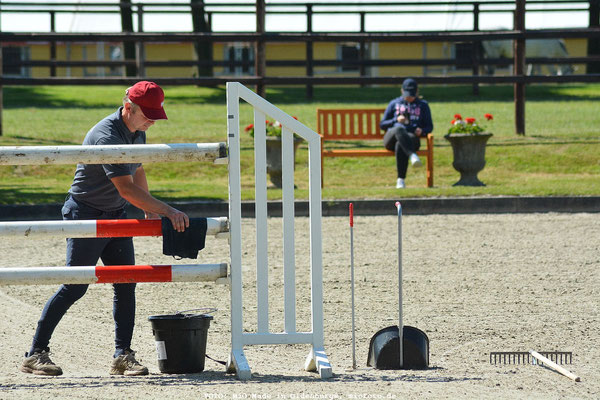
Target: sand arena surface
[[473, 283]]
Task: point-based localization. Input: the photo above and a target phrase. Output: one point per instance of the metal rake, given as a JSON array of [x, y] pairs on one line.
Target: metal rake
[[549, 359], [525, 357]]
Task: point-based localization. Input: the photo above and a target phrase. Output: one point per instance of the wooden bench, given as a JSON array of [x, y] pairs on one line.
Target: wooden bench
[[361, 124]]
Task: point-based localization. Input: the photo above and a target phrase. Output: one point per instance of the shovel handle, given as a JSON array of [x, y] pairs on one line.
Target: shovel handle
[[351, 210]]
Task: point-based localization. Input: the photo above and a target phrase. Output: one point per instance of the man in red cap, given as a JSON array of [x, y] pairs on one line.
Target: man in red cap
[[101, 191]]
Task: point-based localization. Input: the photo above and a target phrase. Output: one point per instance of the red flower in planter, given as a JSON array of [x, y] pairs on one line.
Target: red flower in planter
[[467, 125]]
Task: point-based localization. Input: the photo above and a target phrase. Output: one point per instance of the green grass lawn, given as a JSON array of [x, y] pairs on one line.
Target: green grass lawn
[[558, 156]]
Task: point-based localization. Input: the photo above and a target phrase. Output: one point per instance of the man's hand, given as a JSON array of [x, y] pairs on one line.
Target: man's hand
[[179, 219], [401, 118], [418, 131]]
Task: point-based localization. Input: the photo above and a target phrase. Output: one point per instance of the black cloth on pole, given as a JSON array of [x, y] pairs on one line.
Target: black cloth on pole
[[184, 244]]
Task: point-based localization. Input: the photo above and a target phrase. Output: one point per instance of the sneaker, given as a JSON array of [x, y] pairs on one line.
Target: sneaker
[[415, 161], [400, 184], [127, 365], [39, 363]]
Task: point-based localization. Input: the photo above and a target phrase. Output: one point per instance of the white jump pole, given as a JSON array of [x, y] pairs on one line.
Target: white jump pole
[[98, 228], [112, 274], [113, 154]]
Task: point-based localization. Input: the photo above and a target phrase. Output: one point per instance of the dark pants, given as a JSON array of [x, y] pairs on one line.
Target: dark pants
[[404, 144], [82, 252]]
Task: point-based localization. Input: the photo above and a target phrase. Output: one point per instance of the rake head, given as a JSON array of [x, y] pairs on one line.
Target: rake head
[[525, 357]]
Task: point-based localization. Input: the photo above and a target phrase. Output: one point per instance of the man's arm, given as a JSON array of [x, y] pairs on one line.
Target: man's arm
[[139, 178], [138, 195]]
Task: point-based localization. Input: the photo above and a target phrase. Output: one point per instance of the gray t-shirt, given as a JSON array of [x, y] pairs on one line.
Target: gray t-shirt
[[91, 184]]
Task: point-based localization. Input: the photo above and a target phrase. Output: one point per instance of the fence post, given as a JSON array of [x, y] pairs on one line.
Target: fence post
[[139, 46], [475, 53], [519, 67], [593, 44], [1, 91], [361, 49], [260, 54], [309, 51], [53, 43]]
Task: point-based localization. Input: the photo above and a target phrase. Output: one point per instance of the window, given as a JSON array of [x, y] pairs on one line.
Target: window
[[239, 52], [11, 57], [115, 54], [463, 55], [349, 52]]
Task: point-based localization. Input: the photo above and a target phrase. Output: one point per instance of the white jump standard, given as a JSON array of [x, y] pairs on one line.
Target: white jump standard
[[317, 359]]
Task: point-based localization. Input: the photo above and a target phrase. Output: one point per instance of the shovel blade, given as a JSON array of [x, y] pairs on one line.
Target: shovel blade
[[384, 351]]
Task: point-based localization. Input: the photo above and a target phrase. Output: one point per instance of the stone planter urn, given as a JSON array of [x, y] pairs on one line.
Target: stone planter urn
[[469, 156], [274, 158]]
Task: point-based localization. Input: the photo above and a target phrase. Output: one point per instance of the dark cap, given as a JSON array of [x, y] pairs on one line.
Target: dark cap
[[150, 97], [409, 87]]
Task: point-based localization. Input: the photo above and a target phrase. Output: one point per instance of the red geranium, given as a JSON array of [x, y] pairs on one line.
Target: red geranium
[[247, 128], [467, 125]]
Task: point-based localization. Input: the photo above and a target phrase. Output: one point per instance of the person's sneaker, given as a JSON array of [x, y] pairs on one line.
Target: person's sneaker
[[127, 365], [400, 184], [415, 161], [39, 363]]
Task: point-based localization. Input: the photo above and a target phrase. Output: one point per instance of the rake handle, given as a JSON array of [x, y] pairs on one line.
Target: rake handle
[[554, 366]]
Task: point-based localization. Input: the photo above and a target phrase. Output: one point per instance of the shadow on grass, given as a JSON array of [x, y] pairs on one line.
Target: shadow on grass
[[32, 141], [432, 93], [43, 97]]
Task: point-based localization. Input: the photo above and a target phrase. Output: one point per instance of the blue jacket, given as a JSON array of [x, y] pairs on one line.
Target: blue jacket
[[418, 110]]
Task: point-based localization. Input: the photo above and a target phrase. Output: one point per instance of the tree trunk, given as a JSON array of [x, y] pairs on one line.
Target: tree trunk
[[203, 49], [127, 26]]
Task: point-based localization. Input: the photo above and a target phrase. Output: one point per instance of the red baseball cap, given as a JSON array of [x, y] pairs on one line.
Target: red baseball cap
[[150, 97]]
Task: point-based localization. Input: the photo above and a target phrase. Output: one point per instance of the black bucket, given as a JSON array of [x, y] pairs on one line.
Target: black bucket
[[384, 352], [180, 342]]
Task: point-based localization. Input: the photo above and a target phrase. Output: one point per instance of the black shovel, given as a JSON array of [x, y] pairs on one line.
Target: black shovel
[[384, 349]]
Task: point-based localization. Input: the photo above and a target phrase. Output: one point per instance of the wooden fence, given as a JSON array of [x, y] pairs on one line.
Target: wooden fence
[[206, 10]]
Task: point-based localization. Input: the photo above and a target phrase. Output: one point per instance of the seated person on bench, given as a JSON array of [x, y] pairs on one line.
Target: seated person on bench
[[406, 119]]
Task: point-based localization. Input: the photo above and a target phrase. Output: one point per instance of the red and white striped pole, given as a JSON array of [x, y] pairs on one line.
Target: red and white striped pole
[[98, 228], [112, 274]]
